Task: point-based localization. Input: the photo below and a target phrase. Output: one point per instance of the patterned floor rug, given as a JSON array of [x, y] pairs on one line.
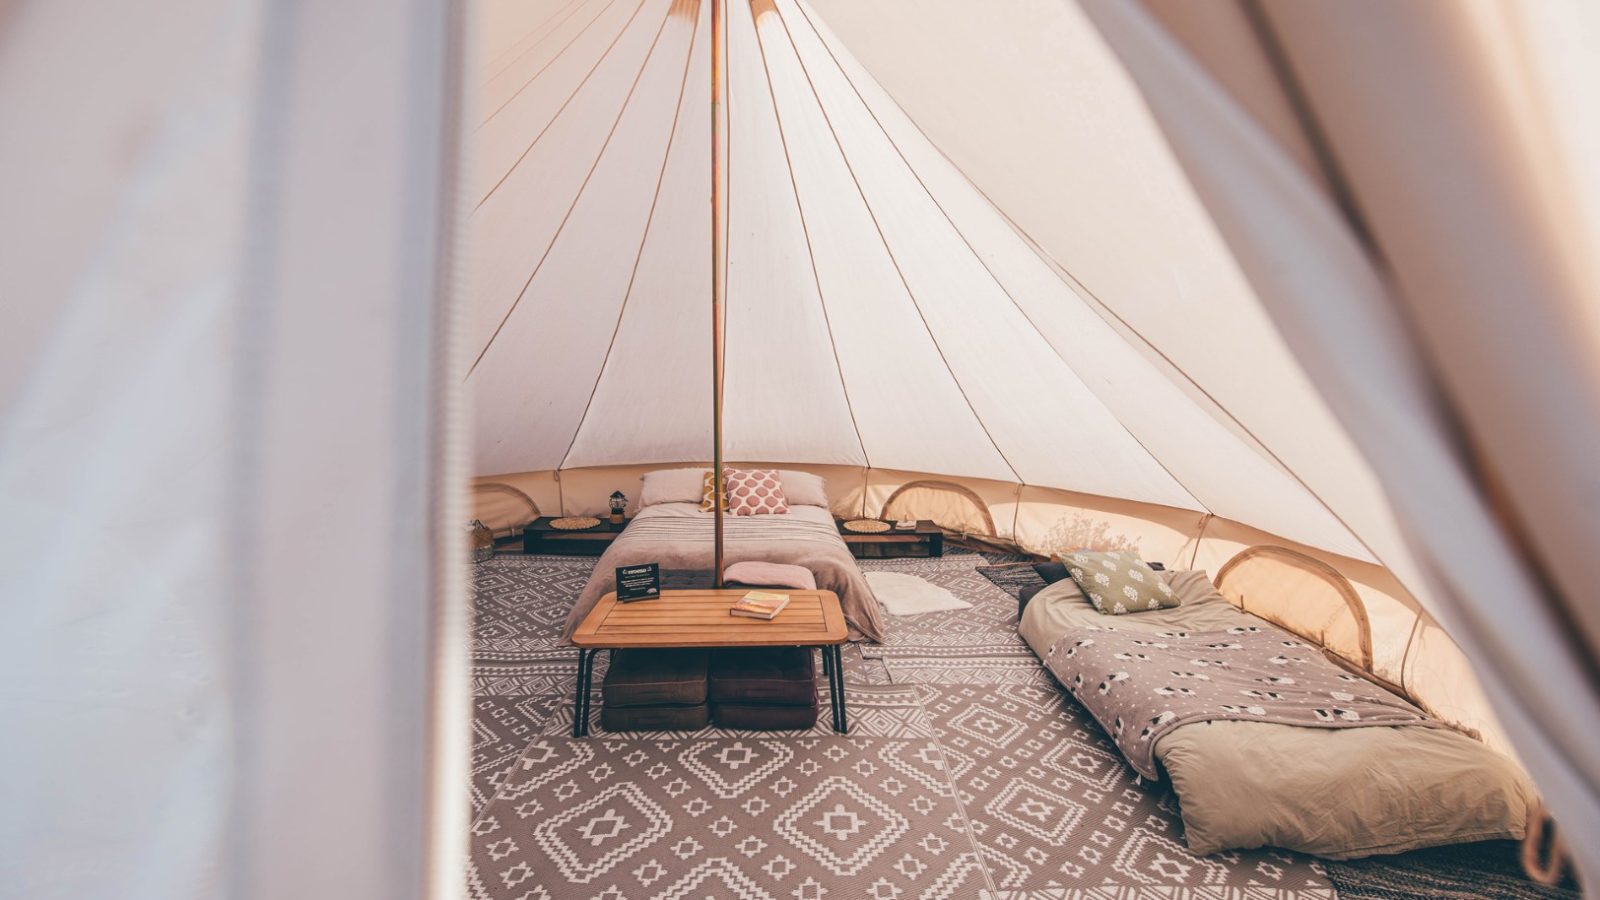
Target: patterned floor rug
[[1011, 577], [521, 602], [727, 814], [967, 774], [1053, 806], [986, 631]]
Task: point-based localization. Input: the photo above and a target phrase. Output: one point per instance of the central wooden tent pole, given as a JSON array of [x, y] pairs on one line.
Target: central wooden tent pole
[[716, 290]]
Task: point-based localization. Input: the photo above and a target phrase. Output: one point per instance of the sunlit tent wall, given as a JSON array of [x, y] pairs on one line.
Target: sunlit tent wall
[[1051, 347]]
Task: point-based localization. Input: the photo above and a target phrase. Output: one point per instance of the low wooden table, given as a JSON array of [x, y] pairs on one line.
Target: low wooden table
[[700, 618]]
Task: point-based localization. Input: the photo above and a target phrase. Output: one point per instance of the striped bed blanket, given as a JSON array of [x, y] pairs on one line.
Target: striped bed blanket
[[682, 541]]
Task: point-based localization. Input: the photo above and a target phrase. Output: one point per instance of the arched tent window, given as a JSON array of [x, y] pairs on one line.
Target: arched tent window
[[503, 508], [950, 506], [1303, 595]]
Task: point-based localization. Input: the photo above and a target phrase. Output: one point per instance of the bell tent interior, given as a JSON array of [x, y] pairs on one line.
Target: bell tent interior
[[1299, 296]]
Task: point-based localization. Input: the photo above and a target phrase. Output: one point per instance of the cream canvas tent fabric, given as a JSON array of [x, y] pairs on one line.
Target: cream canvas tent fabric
[[1002, 267], [887, 319], [1017, 306]]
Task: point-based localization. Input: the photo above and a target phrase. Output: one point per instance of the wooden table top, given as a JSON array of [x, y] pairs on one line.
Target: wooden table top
[[700, 618]]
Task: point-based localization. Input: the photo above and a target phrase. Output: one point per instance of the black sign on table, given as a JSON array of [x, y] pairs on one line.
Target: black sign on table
[[638, 582]]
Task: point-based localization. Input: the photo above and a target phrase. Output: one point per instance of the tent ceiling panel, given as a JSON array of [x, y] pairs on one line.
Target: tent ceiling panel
[[521, 102], [881, 311], [1006, 369], [1228, 475], [1037, 101], [653, 399], [534, 382], [523, 214], [887, 358], [511, 30], [778, 338]]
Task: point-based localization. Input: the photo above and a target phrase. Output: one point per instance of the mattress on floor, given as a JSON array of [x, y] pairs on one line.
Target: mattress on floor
[[1336, 793]]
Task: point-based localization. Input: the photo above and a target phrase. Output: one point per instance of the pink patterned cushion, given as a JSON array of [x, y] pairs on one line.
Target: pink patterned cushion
[[754, 492]]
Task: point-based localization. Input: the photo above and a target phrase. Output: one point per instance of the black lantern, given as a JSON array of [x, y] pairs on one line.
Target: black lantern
[[618, 504]]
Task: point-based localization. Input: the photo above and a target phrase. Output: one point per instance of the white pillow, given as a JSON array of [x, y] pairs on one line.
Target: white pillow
[[803, 488], [672, 486]]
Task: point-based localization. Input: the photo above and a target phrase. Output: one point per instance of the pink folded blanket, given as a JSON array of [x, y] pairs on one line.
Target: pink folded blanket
[[769, 574]]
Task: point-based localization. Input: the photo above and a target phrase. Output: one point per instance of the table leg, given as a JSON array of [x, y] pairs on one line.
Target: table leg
[[833, 687], [835, 658], [838, 666], [581, 704], [579, 714]]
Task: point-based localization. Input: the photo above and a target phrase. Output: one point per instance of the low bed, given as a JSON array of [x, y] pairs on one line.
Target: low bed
[[678, 535], [1338, 792]]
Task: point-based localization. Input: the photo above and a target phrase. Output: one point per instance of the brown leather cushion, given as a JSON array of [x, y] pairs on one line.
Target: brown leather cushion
[[655, 718], [675, 677], [761, 717], [763, 675]]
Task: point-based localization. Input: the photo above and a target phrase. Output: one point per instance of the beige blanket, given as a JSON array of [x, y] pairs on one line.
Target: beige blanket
[[1339, 794], [679, 537]]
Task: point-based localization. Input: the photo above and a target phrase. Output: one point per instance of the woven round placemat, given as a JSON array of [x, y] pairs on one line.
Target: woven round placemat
[[574, 523], [866, 526]]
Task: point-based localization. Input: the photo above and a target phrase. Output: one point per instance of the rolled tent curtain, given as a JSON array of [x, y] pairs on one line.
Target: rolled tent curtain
[[1408, 203]]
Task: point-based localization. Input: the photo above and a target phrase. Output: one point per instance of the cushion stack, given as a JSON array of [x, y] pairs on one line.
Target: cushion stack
[[763, 688], [656, 690]]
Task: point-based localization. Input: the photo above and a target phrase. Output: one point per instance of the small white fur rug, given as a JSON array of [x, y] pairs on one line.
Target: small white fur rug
[[908, 595]]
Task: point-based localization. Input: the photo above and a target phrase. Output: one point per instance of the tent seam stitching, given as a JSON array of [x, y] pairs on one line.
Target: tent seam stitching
[[644, 237], [995, 278], [578, 197], [565, 103], [573, 6], [1096, 303], [805, 229], [542, 69], [886, 249]]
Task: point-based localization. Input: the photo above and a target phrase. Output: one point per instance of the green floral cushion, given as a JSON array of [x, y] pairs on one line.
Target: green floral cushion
[[1118, 582]]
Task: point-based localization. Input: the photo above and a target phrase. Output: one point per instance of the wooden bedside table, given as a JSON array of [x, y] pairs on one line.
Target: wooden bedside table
[[539, 537], [927, 539]]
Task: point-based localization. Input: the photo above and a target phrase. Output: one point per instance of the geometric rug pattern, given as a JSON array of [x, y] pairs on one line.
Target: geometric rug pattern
[[988, 630], [1052, 804], [967, 773], [520, 603], [757, 816]]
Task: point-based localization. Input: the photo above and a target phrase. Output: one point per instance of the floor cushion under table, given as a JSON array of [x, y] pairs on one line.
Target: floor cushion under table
[[656, 677], [765, 717], [655, 718], [768, 676]]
